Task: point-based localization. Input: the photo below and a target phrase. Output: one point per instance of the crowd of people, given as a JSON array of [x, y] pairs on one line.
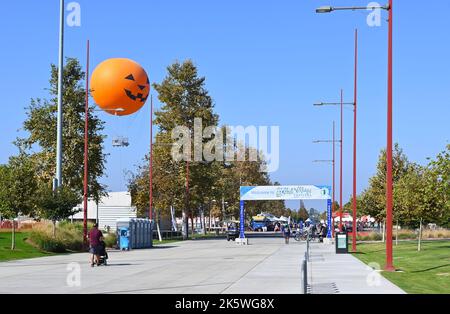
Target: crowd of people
[[304, 230]]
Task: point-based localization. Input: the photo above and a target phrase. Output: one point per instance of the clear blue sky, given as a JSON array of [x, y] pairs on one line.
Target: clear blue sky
[[266, 63]]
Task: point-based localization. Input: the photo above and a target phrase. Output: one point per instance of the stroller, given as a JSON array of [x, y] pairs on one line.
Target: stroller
[[103, 254]]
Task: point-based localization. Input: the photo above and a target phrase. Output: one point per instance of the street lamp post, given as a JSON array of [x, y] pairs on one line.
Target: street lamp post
[[355, 100], [354, 230], [341, 205], [333, 161], [341, 104], [57, 181], [86, 148], [389, 183], [150, 214]]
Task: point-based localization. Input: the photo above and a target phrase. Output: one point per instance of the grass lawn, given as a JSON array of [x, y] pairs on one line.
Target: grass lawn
[[23, 250], [425, 272]]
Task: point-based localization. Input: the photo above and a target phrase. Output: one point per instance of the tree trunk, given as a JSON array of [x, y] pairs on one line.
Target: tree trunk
[[192, 224], [396, 234], [383, 228], [159, 230], [419, 245], [210, 221], [13, 238], [203, 221], [185, 226]]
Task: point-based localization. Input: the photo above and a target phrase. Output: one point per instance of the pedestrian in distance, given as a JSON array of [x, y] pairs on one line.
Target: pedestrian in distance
[[286, 233]]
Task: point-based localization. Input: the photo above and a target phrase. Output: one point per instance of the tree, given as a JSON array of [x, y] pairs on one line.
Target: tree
[[57, 205], [18, 186], [41, 127], [184, 99], [303, 214], [439, 175], [373, 199]]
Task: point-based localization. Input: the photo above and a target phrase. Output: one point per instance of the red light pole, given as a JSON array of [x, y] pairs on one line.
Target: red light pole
[[333, 161], [86, 147], [150, 214], [341, 104], [389, 183]]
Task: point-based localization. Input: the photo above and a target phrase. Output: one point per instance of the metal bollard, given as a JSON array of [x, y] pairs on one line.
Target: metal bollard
[[305, 275], [307, 249]]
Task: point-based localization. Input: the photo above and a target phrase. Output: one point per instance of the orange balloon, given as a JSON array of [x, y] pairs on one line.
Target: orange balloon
[[120, 86]]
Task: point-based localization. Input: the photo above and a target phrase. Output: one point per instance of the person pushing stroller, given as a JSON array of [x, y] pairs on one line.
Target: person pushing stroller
[[97, 247]]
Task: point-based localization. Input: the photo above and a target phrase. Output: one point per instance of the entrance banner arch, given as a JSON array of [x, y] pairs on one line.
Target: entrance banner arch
[[284, 193]]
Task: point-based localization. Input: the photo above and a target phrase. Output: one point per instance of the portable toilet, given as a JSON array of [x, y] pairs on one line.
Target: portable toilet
[[139, 232], [124, 239]]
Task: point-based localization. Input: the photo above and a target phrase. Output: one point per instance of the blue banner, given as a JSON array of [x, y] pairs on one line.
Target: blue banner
[[242, 221], [330, 219]]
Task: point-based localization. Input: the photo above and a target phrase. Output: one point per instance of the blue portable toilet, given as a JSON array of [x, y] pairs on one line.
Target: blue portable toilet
[[139, 233], [124, 239]]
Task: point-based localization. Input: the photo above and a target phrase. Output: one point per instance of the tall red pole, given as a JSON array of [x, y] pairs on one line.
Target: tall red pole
[[86, 150], [389, 182], [150, 214], [334, 173], [355, 225], [341, 205]]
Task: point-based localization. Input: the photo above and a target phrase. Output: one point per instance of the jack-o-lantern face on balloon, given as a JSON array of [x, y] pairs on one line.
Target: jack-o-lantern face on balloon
[[120, 86]]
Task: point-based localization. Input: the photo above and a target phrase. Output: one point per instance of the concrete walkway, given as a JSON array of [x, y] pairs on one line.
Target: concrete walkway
[[266, 266], [329, 273]]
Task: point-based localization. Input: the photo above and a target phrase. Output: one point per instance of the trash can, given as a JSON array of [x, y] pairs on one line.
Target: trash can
[[124, 239], [341, 243]]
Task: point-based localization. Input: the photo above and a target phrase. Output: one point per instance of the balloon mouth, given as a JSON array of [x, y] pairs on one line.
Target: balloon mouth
[[139, 96]]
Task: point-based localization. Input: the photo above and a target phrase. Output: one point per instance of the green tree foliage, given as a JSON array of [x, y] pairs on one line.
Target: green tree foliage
[[57, 205], [18, 186], [41, 127], [420, 192], [213, 186], [303, 214], [373, 199], [439, 175]]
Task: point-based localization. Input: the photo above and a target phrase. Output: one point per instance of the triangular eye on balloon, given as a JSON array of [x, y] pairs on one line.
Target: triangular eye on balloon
[[130, 77]]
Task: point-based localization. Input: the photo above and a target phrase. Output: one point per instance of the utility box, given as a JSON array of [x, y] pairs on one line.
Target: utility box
[[341, 243], [140, 233]]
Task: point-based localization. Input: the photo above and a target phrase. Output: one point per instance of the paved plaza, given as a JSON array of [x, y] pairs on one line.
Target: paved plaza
[[266, 266]]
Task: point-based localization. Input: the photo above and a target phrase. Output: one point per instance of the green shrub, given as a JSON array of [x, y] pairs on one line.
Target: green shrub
[[408, 235], [111, 240], [46, 242], [69, 237], [373, 236]]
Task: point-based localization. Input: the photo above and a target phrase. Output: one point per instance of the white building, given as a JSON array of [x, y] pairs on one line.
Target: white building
[[117, 205]]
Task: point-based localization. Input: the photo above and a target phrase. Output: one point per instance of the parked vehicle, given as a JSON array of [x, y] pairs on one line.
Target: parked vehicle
[[233, 231], [260, 223]]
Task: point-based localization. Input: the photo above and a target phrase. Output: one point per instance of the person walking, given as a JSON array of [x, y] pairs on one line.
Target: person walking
[[287, 233], [95, 238]]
